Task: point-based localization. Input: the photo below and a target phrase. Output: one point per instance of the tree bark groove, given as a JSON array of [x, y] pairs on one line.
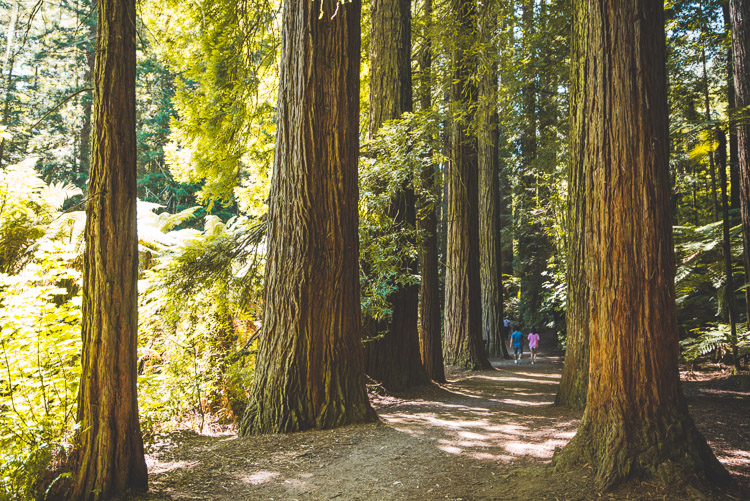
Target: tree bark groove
[[739, 12]]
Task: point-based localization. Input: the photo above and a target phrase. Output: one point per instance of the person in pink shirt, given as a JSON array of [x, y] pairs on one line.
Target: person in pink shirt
[[533, 338]]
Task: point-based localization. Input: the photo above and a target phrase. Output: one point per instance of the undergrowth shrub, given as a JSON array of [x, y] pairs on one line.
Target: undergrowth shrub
[[40, 339], [199, 310]]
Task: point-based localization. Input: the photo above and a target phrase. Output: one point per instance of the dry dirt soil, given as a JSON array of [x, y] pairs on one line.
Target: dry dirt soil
[[483, 435]]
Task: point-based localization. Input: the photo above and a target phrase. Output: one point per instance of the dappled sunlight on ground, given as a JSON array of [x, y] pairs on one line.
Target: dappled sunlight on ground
[[156, 467], [483, 435], [493, 415], [257, 478]]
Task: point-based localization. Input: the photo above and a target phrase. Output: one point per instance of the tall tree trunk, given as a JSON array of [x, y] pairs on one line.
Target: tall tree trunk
[[575, 376], [721, 161], [506, 193], [740, 20], [431, 344], [636, 422], [463, 309], [490, 247], [85, 152], [734, 170], [310, 372], [394, 358], [109, 436], [707, 116]]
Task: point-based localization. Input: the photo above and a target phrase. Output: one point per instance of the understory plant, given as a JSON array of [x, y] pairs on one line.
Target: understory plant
[[40, 315]]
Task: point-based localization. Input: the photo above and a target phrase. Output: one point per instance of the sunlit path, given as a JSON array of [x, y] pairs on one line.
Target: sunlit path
[[482, 435]]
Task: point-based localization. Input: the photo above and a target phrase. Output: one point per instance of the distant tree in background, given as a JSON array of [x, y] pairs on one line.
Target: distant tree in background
[[490, 245]]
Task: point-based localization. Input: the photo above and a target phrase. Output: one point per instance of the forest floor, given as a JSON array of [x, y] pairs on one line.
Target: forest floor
[[483, 435]]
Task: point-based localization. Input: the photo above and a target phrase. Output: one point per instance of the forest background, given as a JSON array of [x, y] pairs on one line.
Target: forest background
[[207, 87]]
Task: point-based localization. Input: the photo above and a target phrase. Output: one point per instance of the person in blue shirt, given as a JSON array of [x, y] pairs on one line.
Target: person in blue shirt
[[516, 340]]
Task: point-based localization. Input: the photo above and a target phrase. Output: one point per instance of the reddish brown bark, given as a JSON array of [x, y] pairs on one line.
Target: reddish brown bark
[[109, 440], [393, 358], [309, 372], [575, 376], [463, 312], [490, 246], [636, 422], [431, 343], [739, 12]]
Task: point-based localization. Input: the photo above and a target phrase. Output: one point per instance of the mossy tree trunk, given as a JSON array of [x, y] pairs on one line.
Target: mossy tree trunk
[[431, 343], [739, 12], [636, 422], [463, 310], [109, 438], [490, 246], [394, 358], [309, 371], [575, 376]]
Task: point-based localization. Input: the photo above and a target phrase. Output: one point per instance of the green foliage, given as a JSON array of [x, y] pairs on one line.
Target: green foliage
[[715, 338], [223, 54], [27, 207], [198, 311], [388, 248], [202, 295], [40, 341], [699, 282]]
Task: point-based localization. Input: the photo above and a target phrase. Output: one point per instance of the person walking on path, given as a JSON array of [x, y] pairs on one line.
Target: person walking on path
[[508, 328], [533, 344], [517, 340]]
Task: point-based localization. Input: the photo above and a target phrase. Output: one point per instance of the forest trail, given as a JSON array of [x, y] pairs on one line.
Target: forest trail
[[483, 435]]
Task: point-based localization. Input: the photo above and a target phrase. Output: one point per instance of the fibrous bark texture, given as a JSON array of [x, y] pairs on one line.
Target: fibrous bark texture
[[309, 372], [463, 311], [739, 11], [636, 422], [393, 358], [109, 438], [431, 343], [489, 190], [575, 376]]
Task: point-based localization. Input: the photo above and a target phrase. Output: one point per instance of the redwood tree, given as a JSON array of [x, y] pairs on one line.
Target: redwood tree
[[309, 372], [393, 357], [489, 189], [636, 421], [575, 376], [463, 311], [109, 437], [431, 343], [739, 11]]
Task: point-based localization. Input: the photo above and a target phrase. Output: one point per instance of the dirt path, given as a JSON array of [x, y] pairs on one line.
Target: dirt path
[[484, 435]]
